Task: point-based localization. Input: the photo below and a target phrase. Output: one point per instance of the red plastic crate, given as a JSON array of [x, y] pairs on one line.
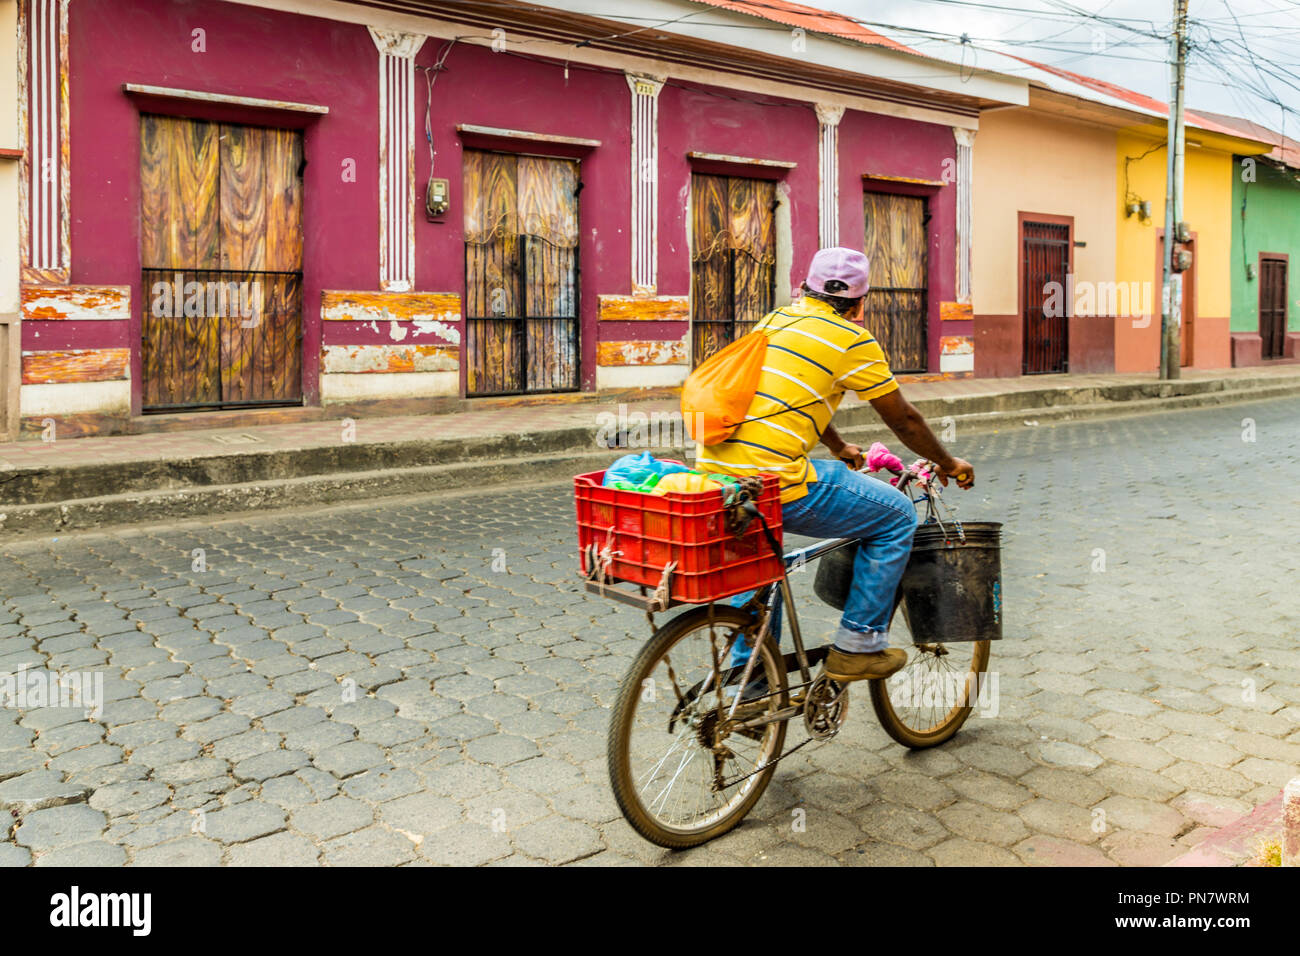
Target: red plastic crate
[[647, 532]]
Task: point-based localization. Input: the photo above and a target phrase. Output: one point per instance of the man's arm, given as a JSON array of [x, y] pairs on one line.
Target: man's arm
[[913, 431], [851, 455]]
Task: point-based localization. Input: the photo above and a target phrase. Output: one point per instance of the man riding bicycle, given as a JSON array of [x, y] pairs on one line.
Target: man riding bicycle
[[814, 355]]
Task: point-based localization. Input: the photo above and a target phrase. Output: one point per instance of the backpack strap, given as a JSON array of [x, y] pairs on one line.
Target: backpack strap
[[791, 408]]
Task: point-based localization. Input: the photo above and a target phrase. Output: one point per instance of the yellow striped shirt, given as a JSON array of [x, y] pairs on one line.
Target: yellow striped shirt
[[813, 357]]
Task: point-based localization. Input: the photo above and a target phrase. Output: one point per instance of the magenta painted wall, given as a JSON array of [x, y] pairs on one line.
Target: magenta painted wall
[[249, 52], [282, 56], [888, 146], [694, 119], [482, 88]]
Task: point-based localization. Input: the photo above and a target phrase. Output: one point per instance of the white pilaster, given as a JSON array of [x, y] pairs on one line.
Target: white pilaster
[[965, 141], [828, 174], [396, 157], [645, 181], [44, 223]]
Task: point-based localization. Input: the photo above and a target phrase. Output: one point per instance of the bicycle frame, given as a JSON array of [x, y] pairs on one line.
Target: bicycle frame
[[782, 594]]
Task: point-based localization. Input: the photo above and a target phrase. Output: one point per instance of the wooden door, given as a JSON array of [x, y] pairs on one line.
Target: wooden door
[[733, 260], [521, 274], [897, 309], [1045, 313], [221, 250], [1272, 305]]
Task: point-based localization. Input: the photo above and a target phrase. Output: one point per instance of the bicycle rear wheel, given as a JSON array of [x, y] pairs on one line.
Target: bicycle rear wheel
[[926, 702], [681, 771]]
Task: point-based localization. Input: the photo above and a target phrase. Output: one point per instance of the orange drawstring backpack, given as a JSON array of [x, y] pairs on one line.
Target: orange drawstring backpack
[[717, 395]]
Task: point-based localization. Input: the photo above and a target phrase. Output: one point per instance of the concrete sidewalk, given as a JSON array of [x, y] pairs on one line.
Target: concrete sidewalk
[[79, 483]]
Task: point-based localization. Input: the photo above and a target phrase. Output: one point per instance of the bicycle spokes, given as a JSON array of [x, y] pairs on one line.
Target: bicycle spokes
[[690, 760]]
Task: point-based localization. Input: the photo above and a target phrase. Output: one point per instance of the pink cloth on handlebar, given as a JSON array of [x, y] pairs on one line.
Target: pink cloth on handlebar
[[878, 457]]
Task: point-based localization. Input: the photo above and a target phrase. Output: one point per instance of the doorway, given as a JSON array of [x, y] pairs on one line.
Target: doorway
[[1044, 296], [733, 258], [897, 307], [221, 257], [521, 274], [1272, 304]]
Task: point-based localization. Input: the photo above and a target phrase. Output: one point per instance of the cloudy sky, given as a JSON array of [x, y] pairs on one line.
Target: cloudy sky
[[1245, 59]]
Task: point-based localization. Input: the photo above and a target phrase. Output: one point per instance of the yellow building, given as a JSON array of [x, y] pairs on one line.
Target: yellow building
[[1207, 209], [1068, 215]]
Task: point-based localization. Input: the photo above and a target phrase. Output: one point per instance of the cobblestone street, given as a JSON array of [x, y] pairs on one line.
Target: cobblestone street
[[424, 680]]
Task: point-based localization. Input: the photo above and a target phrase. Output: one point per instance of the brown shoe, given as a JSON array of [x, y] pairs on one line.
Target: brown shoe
[[847, 666]]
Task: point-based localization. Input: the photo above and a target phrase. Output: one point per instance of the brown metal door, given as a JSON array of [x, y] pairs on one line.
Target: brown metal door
[[221, 250], [1045, 316], [733, 262], [521, 274], [897, 310], [1272, 306]]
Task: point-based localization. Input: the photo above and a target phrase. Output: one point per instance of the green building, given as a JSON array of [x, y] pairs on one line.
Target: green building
[[1265, 323]]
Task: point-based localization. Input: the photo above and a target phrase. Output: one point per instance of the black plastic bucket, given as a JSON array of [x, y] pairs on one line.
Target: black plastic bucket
[[835, 576], [951, 590]]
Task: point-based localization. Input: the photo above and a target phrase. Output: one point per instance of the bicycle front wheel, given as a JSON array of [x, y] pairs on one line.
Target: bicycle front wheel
[[684, 768]]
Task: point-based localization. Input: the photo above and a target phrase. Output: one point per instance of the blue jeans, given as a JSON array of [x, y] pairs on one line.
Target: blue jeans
[[843, 503]]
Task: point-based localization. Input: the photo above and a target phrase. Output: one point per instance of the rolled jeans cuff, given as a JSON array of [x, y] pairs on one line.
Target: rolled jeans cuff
[[861, 642]]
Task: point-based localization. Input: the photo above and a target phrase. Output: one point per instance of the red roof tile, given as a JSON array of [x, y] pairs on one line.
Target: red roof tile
[[809, 18], [839, 25], [1129, 96], [1285, 149]]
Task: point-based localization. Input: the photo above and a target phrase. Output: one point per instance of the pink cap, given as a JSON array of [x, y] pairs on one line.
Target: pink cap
[[845, 265]]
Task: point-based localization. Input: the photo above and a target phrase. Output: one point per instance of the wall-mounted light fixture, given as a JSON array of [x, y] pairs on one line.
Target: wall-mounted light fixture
[[1139, 208]]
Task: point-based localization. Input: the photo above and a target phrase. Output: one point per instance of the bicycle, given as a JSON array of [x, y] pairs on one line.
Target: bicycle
[[696, 733]]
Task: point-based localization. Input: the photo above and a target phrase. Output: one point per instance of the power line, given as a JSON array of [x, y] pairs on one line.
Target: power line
[[1115, 22], [922, 35], [1062, 13]]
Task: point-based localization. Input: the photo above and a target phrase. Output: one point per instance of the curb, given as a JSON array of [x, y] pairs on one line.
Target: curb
[[1234, 844], [35, 485], [154, 491], [108, 511]]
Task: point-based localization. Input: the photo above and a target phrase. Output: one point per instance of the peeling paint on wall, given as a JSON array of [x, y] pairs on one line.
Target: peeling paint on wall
[[671, 352], [76, 302], [660, 308], [956, 354], [955, 311], [956, 345], [397, 315], [441, 330], [76, 365], [389, 358], [387, 306]]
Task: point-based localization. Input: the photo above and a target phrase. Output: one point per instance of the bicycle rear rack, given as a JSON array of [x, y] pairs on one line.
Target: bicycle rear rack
[[642, 598]]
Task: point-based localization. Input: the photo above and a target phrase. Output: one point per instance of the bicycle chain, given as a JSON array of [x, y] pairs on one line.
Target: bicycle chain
[[753, 773], [787, 753]]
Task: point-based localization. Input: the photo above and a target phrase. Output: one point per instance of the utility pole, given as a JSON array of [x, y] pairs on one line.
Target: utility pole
[[1171, 332]]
